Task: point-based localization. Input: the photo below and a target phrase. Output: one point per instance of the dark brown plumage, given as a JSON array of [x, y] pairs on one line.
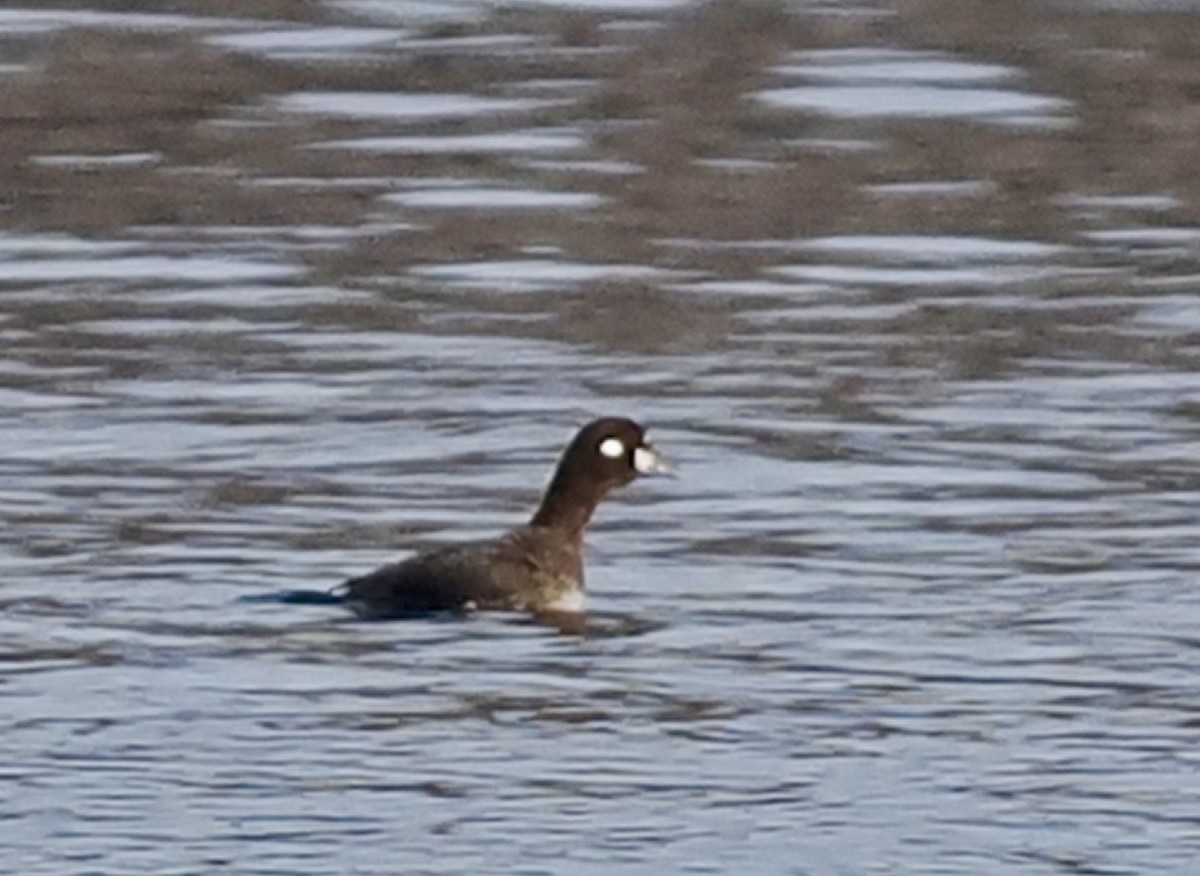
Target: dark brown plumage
[[537, 567]]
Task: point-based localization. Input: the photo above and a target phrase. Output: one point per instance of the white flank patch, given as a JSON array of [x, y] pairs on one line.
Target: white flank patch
[[571, 601]]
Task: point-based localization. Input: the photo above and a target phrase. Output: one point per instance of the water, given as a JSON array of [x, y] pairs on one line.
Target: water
[[283, 300]]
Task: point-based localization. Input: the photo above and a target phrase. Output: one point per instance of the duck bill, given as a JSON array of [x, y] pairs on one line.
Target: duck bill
[[648, 461]]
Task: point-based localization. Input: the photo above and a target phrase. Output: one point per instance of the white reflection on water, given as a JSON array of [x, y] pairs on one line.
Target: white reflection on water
[[524, 142], [40, 21], [393, 107], [879, 83], [494, 198], [309, 43]]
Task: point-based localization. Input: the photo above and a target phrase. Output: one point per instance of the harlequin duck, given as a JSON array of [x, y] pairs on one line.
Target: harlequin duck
[[537, 567]]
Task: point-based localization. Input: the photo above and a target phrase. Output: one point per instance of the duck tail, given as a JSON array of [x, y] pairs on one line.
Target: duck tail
[[335, 596]]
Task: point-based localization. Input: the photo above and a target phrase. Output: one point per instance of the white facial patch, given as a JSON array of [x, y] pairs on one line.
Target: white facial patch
[[646, 461], [612, 448]]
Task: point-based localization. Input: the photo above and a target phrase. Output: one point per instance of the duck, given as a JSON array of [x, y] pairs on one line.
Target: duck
[[537, 567]]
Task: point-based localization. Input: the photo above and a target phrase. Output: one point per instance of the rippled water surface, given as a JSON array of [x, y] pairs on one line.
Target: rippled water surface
[[908, 291]]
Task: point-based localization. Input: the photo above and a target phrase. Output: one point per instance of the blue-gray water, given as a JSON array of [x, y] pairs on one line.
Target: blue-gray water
[[283, 300]]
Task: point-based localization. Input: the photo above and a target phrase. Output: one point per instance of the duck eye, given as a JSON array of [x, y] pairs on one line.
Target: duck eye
[[612, 448]]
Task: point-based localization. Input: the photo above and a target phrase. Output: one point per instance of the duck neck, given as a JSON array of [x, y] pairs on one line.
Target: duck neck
[[568, 505]]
